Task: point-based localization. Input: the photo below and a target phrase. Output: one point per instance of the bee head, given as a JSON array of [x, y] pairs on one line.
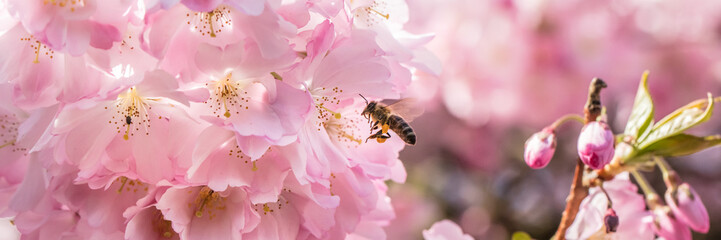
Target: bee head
[[369, 109]]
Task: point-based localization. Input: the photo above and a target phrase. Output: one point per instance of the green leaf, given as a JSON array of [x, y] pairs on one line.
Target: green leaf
[[678, 121], [642, 113], [680, 145], [520, 236]]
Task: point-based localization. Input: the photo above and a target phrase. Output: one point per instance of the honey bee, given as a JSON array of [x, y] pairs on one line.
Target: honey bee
[[394, 117]]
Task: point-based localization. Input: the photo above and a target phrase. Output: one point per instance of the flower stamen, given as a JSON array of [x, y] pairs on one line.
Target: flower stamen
[[208, 200], [123, 180], [210, 23], [161, 225], [133, 108], [336, 115], [227, 95], [386, 16]]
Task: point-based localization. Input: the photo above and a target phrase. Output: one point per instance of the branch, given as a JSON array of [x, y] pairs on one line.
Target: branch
[[578, 191]]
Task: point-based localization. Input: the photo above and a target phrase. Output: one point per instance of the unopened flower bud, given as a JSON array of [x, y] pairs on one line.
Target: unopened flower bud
[[610, 220], [688, 208], [540, 148], [595, 144], [668, 227]]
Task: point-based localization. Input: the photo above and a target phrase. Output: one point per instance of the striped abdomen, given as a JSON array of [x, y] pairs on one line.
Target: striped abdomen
[[402, 128]]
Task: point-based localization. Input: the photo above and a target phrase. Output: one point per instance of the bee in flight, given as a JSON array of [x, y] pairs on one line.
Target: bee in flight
[[392, 117]]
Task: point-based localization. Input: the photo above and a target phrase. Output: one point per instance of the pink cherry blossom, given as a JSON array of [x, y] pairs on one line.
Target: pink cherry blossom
[[219, 163], [187, 119], [688, 208], [199, 212], [445, 230], [124, 134], [666, 225], [74, 25], [634, 220]]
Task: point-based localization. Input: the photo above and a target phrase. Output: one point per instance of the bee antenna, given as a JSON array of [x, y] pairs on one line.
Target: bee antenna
[[364, 98]]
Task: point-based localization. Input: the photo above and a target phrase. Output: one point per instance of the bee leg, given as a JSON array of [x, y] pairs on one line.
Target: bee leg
[[374, 126], [378, 135], [371, 137], [382, 137]]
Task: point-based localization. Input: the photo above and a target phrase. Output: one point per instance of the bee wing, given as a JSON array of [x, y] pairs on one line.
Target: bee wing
[[407, 108]]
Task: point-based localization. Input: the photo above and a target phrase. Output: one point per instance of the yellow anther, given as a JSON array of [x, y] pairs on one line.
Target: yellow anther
[[127, 131], [207, 198], [210, 22], [37, 53], [123, 180], [8, 144], [276, 76], [336, 115], [254, 167], [386, 16]]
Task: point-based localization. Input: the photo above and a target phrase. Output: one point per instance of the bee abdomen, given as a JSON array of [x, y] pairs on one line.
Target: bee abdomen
[[403, 129]]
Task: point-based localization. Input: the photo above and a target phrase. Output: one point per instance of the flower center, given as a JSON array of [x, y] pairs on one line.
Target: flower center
[[332, 121], [238, 154], [208, 201], [162, 226], [38, 48], [344, 130], [210, 23], [323, 99], [271, 207], [72, 4], [127, 44], [227, 96], [9, 132], [130, 185], [131, 109], [373, 14]]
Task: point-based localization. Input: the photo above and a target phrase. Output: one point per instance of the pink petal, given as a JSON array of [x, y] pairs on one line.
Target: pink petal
[[201, 5], [445, 230], [151, 160], [78, 37], [268, 31], [296, 13], [32, 188], [253, 146], [141, 226], [282, 223], [103, 36], [250, 7], [214, 61]]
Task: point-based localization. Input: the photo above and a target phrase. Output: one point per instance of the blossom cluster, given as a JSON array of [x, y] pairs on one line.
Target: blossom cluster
[[194, 119], [603, 202]]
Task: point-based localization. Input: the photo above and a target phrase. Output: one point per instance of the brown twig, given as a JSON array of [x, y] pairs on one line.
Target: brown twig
[[578, 191]]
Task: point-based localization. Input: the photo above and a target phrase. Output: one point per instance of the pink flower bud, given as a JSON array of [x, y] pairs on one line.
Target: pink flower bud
[[610, 220], [668, 227], [540, 148], [595, 144], [688, 208]]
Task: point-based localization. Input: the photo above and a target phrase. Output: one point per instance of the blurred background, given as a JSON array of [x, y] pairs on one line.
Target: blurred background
[[510, 68]]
